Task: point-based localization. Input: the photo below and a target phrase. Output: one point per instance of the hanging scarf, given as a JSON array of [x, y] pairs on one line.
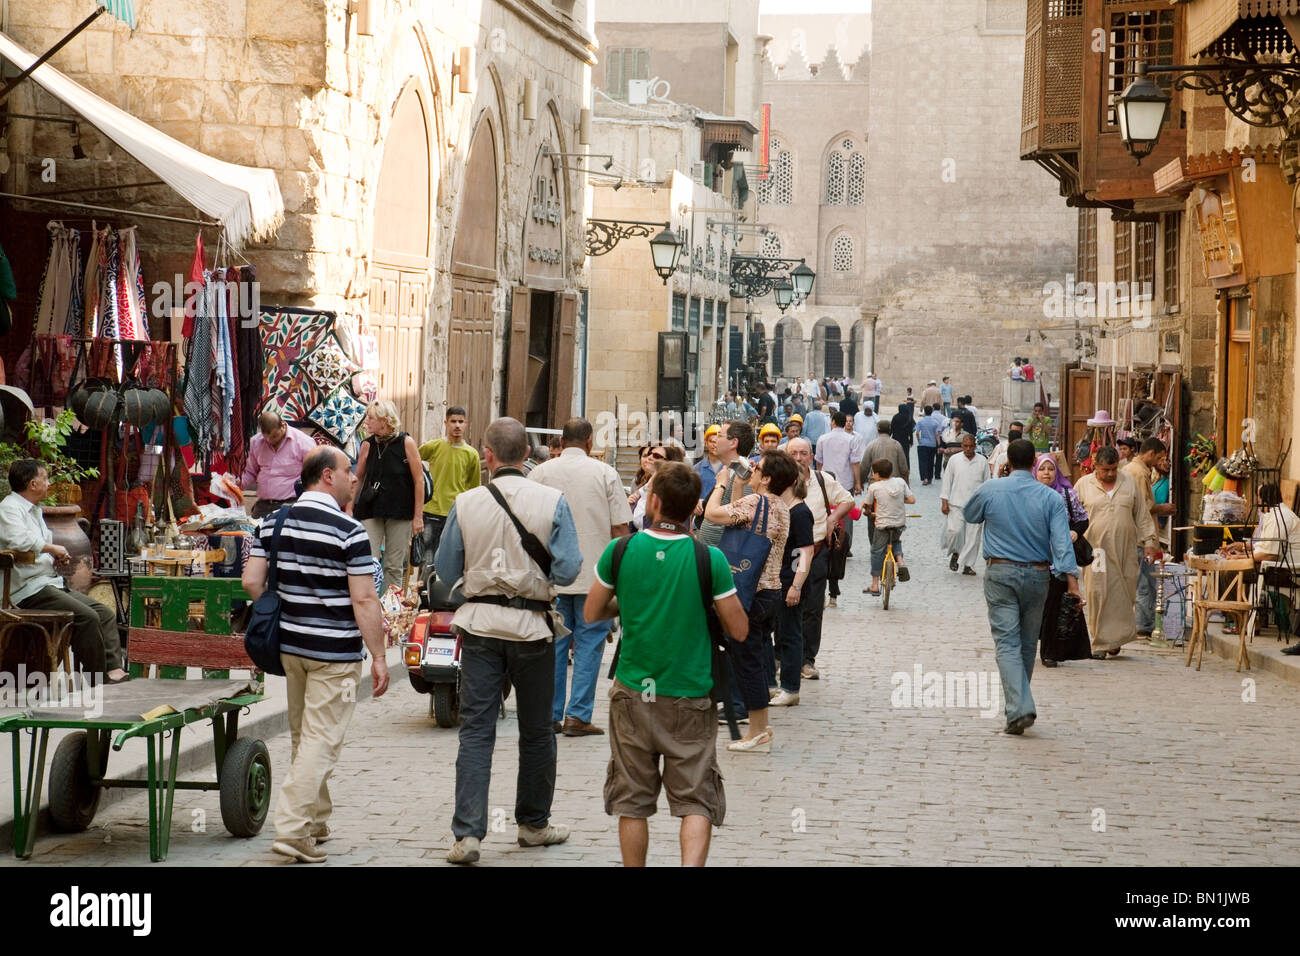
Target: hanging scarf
[[198, 376]]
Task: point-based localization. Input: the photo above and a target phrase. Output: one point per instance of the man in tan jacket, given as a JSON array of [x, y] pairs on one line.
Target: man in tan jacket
[[508, 554]]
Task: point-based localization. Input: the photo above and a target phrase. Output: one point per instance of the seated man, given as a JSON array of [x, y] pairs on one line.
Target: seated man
[[35, 587]]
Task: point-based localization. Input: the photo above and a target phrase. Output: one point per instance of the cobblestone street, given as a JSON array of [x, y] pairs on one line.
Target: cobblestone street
[[1174, 764]]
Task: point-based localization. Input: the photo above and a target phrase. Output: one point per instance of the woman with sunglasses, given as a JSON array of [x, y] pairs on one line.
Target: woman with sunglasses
[[651, 456]]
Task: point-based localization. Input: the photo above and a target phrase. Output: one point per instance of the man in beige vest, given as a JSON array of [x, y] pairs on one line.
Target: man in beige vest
[[507, 627]]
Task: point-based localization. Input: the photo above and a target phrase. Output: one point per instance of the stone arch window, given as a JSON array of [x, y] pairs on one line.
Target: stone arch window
[[846, 174], [842, 253], [778, 188], [772, 247]]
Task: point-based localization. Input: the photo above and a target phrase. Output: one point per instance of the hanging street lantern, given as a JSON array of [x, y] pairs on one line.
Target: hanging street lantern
[[1141, 111], [783, 290], [665, 250]]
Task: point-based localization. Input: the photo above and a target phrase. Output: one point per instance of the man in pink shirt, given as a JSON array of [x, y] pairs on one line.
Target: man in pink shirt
[[275, 459]]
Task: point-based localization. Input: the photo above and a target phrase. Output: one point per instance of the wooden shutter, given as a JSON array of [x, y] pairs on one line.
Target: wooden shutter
[[517, 373], [562, 358], [615, 84]]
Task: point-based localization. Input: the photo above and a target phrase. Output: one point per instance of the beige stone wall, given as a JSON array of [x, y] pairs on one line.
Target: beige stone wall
[[963, 235], [289, 85]]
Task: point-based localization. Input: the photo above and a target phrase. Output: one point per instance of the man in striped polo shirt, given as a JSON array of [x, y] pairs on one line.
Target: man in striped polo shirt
[[329, 609]]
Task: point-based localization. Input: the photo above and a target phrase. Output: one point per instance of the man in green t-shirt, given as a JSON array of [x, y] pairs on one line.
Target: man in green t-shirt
[[453, 467], [659, 704], [1039, 428]]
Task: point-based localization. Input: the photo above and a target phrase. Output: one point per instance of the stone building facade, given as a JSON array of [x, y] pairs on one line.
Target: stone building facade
[[815, 206], [411, 159], [962, 237]]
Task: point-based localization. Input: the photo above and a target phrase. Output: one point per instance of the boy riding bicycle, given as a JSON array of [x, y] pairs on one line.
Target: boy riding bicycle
[[888, 497]]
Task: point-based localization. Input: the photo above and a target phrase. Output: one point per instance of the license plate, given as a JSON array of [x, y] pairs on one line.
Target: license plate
[[439, 651]]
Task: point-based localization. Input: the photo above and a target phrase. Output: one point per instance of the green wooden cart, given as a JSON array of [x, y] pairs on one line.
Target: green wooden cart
[[152, 709]]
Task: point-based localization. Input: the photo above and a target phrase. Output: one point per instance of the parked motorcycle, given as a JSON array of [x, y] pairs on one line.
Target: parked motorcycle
[[432, 654], [986, 440]]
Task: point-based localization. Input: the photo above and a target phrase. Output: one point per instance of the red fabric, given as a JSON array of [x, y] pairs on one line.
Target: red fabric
[[196, 276]]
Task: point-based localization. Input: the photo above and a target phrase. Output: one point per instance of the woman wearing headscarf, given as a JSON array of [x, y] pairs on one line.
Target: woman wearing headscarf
[[1069, 641], [902, 429]]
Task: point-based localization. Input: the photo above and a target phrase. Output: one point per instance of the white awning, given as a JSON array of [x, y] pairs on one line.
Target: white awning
[[245, 200]]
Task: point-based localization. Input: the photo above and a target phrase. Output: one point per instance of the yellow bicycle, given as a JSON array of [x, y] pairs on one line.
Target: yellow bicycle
[[888, 574]]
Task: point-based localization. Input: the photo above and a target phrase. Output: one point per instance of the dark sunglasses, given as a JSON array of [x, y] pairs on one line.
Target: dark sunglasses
[[658, 457]]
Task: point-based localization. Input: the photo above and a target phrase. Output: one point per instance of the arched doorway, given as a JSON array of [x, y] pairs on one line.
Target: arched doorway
[[399, 271], [828, 349], [470, 358]]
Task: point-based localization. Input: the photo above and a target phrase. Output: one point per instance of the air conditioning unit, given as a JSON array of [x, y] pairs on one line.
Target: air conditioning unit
[[638, 92]]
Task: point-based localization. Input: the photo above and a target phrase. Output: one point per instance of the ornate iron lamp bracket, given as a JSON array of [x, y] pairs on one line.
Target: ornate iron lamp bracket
[[753, 277], [1256, 93], [604, 234]]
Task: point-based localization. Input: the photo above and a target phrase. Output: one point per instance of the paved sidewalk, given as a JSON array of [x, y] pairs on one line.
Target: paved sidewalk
[[1136, 761]]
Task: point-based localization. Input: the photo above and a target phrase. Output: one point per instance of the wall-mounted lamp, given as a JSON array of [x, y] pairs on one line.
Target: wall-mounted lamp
[[584, 126], [530, 99], [462, 70], [77, 151], [365, 16]]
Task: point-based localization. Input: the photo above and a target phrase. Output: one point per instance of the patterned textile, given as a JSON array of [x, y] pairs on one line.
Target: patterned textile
[[365, 385], [288, 336], [249, 357], [339, 414], [157, 366], [54, 361], [198, 376], [59, 300], [328, 365], [237, 450], [223, 362], [128, 289]]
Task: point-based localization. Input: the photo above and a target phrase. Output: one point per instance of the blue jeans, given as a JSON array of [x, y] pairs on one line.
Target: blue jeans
[[880, 540], [748, 667], [925, 460], [1015, 594], [1146, 594], [588, 642], [485, 663]]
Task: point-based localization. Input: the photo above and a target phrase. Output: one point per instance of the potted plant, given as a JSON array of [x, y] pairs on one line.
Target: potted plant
[[48, 437]]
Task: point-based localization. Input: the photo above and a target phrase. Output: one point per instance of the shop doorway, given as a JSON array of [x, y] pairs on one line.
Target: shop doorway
[[543, 335], [399, 272], [471, 330], [1237, 373]]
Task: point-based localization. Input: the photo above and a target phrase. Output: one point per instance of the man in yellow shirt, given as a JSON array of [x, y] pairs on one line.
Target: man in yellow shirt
[[454, 467]]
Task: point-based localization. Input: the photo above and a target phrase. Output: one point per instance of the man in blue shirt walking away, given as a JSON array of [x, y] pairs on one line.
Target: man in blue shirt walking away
[[1026, 535]]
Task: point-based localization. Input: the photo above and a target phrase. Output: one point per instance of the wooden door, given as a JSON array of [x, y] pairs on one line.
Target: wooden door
[[469, 353], [1080, 406], [562, 359], [1236, 375], [399, 301], [517, 369]]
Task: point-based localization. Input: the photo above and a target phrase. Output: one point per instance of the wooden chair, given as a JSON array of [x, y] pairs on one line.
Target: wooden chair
[[19, 629], [1220, 586]]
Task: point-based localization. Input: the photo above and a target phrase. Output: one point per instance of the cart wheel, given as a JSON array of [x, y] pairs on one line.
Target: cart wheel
[[73, 798], [245, 787], [444, 705]]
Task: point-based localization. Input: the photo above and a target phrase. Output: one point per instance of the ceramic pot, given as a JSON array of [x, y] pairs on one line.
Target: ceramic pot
[[72, 531]]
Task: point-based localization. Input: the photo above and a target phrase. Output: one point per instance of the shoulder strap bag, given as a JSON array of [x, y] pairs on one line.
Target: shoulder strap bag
[[262, 636], [747, 549], [536, 550]]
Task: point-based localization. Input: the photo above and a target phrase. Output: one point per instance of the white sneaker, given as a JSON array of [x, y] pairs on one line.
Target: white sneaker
[[830, 602], [464, 850], [784, 699], [810, 672]]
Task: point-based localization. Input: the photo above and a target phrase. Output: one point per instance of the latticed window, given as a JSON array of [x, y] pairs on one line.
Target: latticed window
[[1137, 36], [846, 175], [722, 315], [679, 312], [708, 313], [835, 179], [842, 253], [694, 327], [1086, 258], [857, 187], [772, 246], [778, 188], [1123, 253], [1145, 274], [1173, 232]]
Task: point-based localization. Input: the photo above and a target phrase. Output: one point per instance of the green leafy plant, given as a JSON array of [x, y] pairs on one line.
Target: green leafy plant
[[46, 440]]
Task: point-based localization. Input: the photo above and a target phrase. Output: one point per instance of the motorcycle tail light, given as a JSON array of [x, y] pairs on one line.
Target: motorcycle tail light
[[413, 652]]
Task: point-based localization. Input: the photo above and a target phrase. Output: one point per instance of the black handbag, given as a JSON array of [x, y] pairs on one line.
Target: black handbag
[[262, 636], [1083, 554], [418, 552]]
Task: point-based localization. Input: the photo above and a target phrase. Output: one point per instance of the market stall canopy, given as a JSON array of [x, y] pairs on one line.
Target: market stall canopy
[[245, 200]]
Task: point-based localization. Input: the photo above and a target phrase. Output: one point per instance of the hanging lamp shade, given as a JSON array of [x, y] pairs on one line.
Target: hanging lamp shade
[[101, 409]]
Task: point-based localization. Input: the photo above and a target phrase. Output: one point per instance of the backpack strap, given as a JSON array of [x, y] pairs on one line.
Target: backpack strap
[[615, 559], [536, 550], [717, 642]]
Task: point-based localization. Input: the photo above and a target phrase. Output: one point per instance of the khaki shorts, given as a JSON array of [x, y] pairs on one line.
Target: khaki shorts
[[681, 730]]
